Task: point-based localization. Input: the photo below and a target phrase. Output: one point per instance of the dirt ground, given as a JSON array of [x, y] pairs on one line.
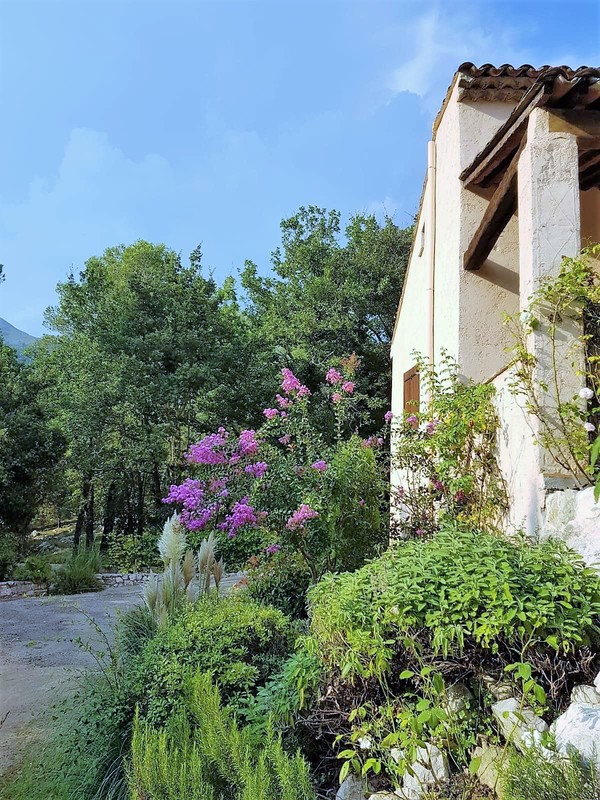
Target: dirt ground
[[39, 658]]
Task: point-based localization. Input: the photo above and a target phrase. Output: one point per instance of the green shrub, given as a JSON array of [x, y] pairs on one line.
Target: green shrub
[[9, 554], [236, 551], [238, 641], [394, 636], [78, 573], [214, 759], [128, 553], [281, 580], [530, 776], [460, 591], [34, 568]]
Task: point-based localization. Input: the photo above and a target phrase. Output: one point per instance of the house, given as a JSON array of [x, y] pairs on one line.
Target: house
[[512, 185]]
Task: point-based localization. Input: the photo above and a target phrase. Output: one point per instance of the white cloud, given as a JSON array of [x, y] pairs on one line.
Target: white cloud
[[439, 43]]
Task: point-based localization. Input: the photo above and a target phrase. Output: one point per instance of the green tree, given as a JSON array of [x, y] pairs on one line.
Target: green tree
[[30, 447], [332, 294], [146, 355]]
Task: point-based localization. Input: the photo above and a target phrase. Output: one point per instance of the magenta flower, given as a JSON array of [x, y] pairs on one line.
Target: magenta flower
[[460, 496], [431, 426], [420, 532], [304, 391], [272, 549], [190, 494], [301, 515], [283, 402], [290, 382], [247, 443], [199, 519], [361, 502], [242, 513], [348, 387], [319, 465], [257, 470], [333, 376], [285, 439], [336, 397], [412, 419], [206, 450], [270, 413], [438, 485], [388, 417]]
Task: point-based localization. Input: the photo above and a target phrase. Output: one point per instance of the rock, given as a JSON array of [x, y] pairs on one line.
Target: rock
[[501, 691], [383, 796], [585, 695], [516, 722], [456, 698], [351, 789], [574, 517], [429, 767], [488, 769], [579, 729]]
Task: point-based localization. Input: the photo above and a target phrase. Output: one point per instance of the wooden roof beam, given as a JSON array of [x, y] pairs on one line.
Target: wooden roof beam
[[501, 207], [506, 140]]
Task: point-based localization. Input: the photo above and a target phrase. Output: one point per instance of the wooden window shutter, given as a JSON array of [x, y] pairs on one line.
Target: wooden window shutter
[[412, 391]]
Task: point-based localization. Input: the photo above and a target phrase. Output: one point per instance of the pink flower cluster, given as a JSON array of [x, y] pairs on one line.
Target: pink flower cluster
[[272, 549], [207, 450], [320, 465], [300, 516], [242, 513], [333, 376], [290, 383], [248, 443], [257, 470]]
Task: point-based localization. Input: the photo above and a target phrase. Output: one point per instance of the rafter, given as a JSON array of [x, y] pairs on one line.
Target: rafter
[[500, 209]]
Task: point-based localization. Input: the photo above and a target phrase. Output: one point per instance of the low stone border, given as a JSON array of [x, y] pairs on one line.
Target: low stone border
[[122, 579], [13, 590]]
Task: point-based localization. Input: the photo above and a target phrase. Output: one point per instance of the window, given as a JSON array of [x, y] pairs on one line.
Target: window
[[412, 391]]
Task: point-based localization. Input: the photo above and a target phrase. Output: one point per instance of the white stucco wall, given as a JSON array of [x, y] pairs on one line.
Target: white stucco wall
[[516, 459]]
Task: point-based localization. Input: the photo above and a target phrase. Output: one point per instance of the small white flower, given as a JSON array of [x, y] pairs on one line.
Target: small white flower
[[365, 743], [585, 393], [589, 426]]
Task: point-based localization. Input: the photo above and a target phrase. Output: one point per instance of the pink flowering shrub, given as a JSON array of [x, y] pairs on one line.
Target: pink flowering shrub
[[283, 487], [445, 456]]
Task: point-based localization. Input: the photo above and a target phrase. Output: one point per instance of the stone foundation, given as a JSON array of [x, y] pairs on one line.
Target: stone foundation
[[123, 579]]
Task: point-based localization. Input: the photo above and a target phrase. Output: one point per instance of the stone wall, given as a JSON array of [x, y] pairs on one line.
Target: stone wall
[[13, 590], [123, 579]]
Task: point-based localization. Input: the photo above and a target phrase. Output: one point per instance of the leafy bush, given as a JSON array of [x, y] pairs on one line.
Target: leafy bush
[[286, 485], [9, 555], [280, 579], [214, 760], [460, 607], [34, 568], [78, 573], [445, 454], [530, 776], [240, 642], [128, 553]]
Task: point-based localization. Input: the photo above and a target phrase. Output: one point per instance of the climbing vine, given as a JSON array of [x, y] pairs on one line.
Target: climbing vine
[[445, 455], [567, 424]]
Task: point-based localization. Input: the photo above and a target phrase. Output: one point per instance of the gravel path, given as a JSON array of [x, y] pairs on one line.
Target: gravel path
[[38, 655]]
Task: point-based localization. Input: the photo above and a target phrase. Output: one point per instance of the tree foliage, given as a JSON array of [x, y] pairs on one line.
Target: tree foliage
[[332, 293], [30, 447]]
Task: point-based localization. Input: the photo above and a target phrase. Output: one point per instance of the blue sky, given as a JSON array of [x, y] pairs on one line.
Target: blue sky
[[183, 121]]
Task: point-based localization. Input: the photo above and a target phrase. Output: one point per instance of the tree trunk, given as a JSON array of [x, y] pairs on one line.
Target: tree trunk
[[108, 524], [140, 504], [89, 525]]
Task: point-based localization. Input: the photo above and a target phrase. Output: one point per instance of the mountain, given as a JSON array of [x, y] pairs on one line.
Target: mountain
[[15, 338]]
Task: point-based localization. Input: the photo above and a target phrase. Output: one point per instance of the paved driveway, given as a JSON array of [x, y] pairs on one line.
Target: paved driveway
[[38, 656]]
